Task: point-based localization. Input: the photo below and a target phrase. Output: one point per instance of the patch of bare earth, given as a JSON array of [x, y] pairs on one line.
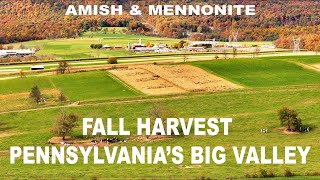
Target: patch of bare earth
[[47, 74], [189, 167], [285, 131], [76, 142], [172, 79], [192, 79], [22, 100], [4, 152], [311, 101], [72, 141]]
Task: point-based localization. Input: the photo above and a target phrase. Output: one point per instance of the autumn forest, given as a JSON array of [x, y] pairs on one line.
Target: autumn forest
[[277, 21]]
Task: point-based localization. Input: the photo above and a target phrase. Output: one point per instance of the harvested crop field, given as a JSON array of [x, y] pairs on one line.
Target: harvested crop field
[[192, 79], [146, 82], [172, 79]]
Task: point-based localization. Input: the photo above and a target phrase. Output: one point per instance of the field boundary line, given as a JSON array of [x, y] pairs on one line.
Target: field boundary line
[[52, 83], [306, 66]]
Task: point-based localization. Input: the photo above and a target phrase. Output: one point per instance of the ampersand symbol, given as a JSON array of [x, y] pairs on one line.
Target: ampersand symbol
[[135, 10]]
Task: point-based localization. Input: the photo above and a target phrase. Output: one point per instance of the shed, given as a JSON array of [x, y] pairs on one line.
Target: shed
[[37, 67], [106, 46], [118, 47]]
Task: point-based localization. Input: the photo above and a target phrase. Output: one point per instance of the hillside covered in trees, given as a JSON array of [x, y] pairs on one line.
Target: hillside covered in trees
[[275, 20]]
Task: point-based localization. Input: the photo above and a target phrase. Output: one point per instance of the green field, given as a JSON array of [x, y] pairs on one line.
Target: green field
[[80, 47], [264, 72], [302, 59], [78, 86], [270, 84]]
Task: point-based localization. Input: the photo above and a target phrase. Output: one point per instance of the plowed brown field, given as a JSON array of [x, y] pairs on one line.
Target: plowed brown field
[[172, 79]]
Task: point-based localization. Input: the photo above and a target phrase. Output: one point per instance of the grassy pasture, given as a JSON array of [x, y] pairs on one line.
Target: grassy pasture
[[24, 84], [249, 118], [92, 85], [78, 86]]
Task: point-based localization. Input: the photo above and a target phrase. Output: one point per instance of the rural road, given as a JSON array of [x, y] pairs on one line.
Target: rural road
[[50, 64], [150, 59]]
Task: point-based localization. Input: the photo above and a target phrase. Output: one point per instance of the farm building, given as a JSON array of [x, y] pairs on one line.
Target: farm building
[[118, 47], [212, 43], [36, 67], [145, 49], [18, 52], [136, 45], [142, 48]]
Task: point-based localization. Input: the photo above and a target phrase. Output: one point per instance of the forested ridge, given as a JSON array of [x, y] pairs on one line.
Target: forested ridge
[[275, 20]]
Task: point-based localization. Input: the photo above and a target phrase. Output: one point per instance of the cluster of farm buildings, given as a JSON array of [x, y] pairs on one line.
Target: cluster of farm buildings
[[142, 48], [195, 46]]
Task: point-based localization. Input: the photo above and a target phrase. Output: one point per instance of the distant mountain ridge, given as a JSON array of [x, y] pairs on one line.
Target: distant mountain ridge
[[44, 19]]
